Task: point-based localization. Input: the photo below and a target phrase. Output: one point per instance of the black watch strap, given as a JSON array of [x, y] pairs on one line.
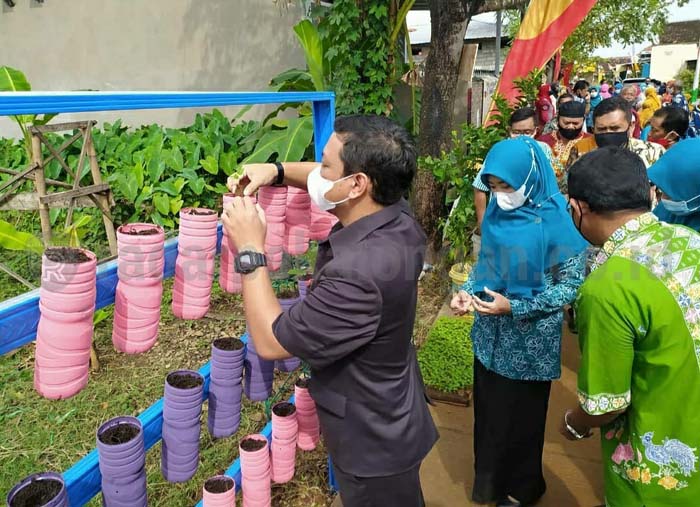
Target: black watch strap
[[280, 173], [248, 261]]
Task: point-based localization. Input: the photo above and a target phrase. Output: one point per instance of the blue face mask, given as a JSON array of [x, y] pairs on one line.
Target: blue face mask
[[680, 208]]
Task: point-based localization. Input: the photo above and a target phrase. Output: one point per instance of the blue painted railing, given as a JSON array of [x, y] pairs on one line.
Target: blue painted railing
[[19, 316]]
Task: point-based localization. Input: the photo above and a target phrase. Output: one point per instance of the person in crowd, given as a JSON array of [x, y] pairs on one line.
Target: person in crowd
[[631, 93], [569, 132], [522, 123], [678, 99], [554, 94], [605, 91], [544, 106], [611, 127], [595, 100], [582, 95], [355, 327], [651, 104], [667, 95], [617, 89], [677, 179], [530, 266], [639, 333], [551, 126], [668, 126]]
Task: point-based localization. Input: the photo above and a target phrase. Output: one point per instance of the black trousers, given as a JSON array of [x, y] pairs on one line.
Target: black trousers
[[509, 423], [401, 490]]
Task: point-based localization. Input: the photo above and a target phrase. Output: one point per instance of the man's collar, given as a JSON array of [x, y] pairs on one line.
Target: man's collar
[[622, 235], [345, 237]]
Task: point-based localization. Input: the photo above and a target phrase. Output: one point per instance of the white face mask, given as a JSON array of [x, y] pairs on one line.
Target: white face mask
[[508, 201], [318, 187]]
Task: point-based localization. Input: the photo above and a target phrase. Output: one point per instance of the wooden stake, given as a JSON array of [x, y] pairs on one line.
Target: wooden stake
[[40, 184]]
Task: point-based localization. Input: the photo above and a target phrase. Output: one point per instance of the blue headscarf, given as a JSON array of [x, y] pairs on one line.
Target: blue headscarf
[[519, 246], [595, 100], [677, 174]]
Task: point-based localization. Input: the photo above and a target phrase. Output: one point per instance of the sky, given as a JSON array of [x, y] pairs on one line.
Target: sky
[[691, 10]]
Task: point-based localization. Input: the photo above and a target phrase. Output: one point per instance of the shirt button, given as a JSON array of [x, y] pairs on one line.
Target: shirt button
[[538, 220]]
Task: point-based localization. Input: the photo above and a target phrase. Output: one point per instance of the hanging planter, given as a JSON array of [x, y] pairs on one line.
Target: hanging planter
[[273, 201], [321, 224], [229, 280], [219, 491], [140, 288], [255, 471], [304, 284], [194, 266], [258, 375], [288, 299], [297, 221], [285, 430], [39, 490], [225, 389], [307, 418], [182, 407], [122, 462], [64, 333]]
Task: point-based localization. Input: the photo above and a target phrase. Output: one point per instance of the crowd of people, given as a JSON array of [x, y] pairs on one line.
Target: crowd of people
[[598, 208]]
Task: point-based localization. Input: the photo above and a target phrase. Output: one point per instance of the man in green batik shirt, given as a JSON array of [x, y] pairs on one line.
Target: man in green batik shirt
[[639, 329]]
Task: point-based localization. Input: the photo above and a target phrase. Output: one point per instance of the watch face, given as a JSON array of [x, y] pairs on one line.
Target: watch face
[[245, 259]]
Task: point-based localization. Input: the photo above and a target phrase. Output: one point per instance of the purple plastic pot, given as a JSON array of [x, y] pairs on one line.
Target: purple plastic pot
[[225, 390], [258, 375], [292, 363], [53, 492]]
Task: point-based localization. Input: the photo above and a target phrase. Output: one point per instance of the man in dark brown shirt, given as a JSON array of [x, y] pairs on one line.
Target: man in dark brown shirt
[[355, 326]]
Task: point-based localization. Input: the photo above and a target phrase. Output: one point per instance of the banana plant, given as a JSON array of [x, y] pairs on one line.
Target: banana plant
[[13, 80]]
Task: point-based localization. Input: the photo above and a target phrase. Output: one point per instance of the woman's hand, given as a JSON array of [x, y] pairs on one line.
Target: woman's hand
[[499, 306], [461, 303]]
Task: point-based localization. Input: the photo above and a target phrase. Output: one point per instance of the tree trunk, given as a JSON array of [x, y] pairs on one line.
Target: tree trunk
[[448, 19]]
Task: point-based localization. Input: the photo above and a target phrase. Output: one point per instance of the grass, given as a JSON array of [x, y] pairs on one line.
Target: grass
[[38, 434]]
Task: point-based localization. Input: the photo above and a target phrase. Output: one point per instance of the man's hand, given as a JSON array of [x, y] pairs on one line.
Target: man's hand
[[253, 177], [564, 430], [499, 306], [245, 224], [461, 303]]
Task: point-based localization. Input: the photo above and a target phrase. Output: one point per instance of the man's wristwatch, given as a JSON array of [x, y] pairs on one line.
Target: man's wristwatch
[[280, 174], [248, 261], [572, 430]]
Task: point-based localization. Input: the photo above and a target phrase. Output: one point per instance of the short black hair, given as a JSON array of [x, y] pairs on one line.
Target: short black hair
[[612, 104], [610, 179], [565, 96], [521, 114], [381, 149], [581, 84], [673, 119]]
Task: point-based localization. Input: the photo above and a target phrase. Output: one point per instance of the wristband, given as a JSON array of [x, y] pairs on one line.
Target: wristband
[[572, 430], [280, 173]]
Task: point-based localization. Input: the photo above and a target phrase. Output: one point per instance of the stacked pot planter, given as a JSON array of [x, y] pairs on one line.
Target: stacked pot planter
[[64, 335], [42, 490], [225, 389], [122, 462], [255, 471], [304, 284], [181, 410], [273, 201], [258, 375], [297, 222], [229, 280], [307, 418], [140, 288], [292, 363], [194, 267], [321, 224], [284, 442], [219, 491]]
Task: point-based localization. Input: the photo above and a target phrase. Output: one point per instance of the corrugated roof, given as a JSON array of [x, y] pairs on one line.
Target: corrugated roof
[[419, 28], [682, 32]]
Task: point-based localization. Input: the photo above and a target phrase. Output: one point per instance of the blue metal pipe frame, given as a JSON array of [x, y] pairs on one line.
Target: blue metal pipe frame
[[19, 316]]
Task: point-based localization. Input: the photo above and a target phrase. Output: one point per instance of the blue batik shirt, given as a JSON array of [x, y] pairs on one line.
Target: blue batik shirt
[[526, 344]]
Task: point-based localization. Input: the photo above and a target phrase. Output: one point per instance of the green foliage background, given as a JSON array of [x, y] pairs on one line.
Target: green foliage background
[[446, 358]]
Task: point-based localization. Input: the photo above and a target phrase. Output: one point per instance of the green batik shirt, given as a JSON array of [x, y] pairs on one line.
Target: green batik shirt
[[639, 329]]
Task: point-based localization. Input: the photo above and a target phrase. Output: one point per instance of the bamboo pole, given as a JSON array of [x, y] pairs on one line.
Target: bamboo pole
[[40, 184]]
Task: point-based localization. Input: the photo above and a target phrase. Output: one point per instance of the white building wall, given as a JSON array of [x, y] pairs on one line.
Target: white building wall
[[667, 60]]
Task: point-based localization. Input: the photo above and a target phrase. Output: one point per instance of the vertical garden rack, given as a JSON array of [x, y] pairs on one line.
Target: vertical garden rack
[[19, 316]]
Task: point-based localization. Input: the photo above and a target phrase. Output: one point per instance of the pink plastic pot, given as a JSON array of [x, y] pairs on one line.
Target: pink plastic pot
[[142, 297], [307, 418], [57, 335], [122, 306], [219, 491], [60, 391]]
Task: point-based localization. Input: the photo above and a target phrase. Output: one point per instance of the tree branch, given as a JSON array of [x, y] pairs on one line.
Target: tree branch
[[501, 5]]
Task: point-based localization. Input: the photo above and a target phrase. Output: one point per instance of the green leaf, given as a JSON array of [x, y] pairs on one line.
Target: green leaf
[[311, 43], [13, 80], [210, 165], [197, 185], [12, 239], [176, 205], [227, 162], [162, 203], [289, 144], [137, 171]]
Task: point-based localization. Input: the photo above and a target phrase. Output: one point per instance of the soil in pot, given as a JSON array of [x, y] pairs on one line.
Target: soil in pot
[[66, 255], [143, 232], [252, 444], [218, 485], [184, 381], [284, 409], [228, 344], [302, 383], [119, 434], [198, 212], [37, 493]]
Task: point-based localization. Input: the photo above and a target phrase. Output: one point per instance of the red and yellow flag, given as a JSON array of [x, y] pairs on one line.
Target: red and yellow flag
[[546, 26]]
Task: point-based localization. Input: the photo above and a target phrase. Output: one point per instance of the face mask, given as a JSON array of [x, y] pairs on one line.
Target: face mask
[[594, 95], [619, 139], [515, 136], [508, 201], [680, 208], [580, 222], [318, 187], [664, 141], [570, 134]]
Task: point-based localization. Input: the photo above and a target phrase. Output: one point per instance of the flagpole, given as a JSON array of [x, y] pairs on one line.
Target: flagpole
[[696, 78]]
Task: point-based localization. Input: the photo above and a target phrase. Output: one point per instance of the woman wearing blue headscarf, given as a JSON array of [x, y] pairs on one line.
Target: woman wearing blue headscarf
[[677, 176], [530, 266]]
